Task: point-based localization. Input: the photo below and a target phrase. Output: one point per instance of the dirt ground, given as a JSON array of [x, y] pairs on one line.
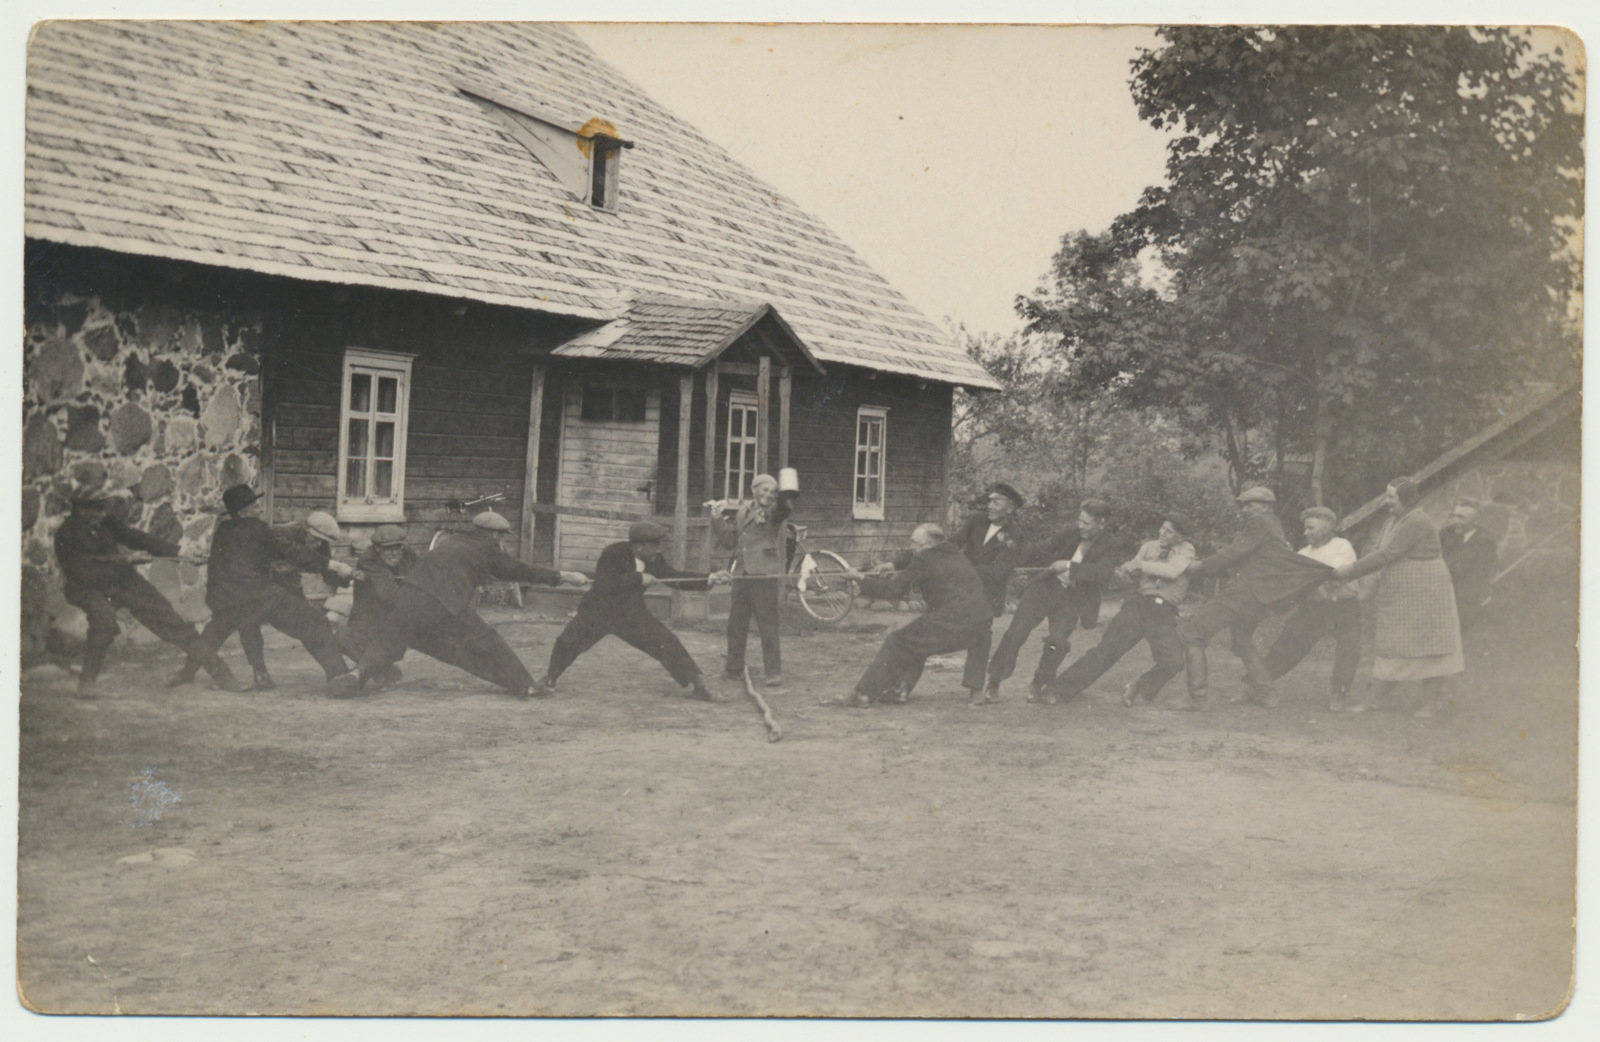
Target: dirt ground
[[618, 849]]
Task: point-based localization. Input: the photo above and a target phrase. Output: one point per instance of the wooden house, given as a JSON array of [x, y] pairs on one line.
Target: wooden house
[[384, 267]]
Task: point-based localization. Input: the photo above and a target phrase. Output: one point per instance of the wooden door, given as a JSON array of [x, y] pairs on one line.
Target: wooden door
[[610, 434]]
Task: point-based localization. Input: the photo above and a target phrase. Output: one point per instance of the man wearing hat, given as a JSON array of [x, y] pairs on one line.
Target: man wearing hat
[[248, 584], [1149, 613], [1266, 571], [992, 541], [615, 605], [432, 609], [1078, 562], [755, 532], [96, 577], [1332, 608], [379, 569]]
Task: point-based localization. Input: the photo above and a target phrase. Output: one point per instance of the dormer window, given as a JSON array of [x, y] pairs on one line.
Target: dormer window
[[584, 158]]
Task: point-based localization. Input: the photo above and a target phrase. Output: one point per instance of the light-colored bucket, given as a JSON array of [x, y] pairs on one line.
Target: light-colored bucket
[[788, 480]]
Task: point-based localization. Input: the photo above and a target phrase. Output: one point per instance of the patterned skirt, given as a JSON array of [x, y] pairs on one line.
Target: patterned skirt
[[1416, 616]]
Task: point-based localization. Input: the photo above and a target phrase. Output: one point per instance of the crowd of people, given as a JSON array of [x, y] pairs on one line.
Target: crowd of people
[[1425, 586]]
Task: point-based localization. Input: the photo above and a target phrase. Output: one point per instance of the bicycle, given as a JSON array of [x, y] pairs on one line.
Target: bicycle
[[824, 591], [459, 514]]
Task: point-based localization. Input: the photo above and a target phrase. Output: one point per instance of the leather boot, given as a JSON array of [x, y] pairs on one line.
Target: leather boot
[[263, 680]]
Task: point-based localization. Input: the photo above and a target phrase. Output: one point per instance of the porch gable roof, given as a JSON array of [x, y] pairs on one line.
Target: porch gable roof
[[674, 331]]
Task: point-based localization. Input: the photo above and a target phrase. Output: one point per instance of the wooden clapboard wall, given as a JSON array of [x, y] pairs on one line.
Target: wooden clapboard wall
[[603, 465]]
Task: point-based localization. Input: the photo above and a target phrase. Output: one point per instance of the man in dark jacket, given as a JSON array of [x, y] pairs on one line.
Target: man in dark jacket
[[96, 577], [1469, 553], [1080, 559], [957, 618], [1266, 572], [245, 589], [379, 570], [432, 609], [755, 531], [615, 606], [992, 541]]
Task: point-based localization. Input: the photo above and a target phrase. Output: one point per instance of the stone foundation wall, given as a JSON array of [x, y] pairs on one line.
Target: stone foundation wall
[[158, 405]]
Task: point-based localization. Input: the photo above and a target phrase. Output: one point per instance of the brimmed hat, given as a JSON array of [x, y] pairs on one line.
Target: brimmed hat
[[1000, 488], [646, 532], [491, 522], [1258, 494], [389, 535], [323, 526], [238, 497], [89, 497]]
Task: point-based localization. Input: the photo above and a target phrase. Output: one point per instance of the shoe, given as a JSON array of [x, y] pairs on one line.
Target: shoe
[[772, 680], [1049, 696], [698, 689], [1336, 701], [345, 685], [898, 695], [264, 681], [976, 696], [991, 691], [1432, 709], [182, 677], [544, 687], [1130, 695], [1035, 692], [87, 688]]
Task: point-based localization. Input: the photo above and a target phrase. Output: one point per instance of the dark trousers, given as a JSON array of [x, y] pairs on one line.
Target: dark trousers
[[759, 599], [1239, 615], [1141, 618], [286, 612], [906, 650], [1045, 599], [1309, 623], [420, 623], [633, 624], [145, 603]]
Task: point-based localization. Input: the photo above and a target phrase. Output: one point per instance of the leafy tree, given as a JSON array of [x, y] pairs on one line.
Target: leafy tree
[[1367, 235]]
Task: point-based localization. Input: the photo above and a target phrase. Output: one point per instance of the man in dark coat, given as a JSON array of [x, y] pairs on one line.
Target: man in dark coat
[[379, 570], [1266, 572], [246, 588], [992, 541], [96, 577], [615, 606], [1081, 559], [432, 609], [1469, 553], [957, 618]]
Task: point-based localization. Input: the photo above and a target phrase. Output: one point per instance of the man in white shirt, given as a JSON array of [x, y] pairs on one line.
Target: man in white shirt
[[1149, 613], [1332, 608]]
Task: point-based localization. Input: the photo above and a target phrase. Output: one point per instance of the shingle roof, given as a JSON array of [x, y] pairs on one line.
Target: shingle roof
[[673, 331], [347, 152]]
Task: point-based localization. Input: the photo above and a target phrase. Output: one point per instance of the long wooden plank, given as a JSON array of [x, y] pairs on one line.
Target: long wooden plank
[[763, 411], [680, 504], [530, 477], [785, 388]]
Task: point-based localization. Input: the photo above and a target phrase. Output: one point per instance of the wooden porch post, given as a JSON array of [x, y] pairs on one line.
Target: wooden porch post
[[785, 381], [530, 472], [763, 411], [680, 512], [711, 450]]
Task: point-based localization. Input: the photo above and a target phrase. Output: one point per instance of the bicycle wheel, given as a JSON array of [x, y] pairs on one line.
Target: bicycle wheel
[[825, 593]]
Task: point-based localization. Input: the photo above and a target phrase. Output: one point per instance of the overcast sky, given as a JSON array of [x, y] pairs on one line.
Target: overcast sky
[[952, 158]]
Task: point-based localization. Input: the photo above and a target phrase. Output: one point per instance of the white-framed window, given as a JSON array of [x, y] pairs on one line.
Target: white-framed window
[[740, 468], [375, 397], [871, 425]]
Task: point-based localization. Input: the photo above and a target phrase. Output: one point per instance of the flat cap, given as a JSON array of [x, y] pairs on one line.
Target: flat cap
[[491, 521], [88, 497], [389, 535], [323, 525], [1000, 488], [1258, 494], [646, 532], [1321, 513]]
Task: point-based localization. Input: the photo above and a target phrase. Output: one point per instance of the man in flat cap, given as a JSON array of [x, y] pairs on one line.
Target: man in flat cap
[[253, 578], [1149, 613], [992, 541], [96, 577], [1330, 609], [379, 569], [1078, 561], [432, 609], [755, 532], [615, 605], [1266, 571]]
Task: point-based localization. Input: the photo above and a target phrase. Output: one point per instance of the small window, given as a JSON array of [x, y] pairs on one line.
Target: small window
[[376, 396], [871, 422], [605, 403], [585, 159], [743, 415], [604, 164]]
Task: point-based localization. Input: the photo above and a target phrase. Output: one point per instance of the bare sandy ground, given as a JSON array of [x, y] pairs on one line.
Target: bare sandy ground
[[441, 848]]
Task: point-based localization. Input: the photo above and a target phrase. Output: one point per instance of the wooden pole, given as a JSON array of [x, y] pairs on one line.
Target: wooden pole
[[530, 470], [711, 451], [680, 510], [763, 412], [785, 387]]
